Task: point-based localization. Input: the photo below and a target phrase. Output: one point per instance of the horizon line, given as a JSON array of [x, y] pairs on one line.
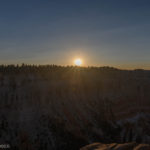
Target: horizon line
[[82, 66]]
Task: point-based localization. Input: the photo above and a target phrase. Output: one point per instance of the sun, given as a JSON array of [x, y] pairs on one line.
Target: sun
[[78, 62]]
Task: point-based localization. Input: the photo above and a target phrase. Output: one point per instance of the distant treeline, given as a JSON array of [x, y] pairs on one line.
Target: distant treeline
[[39, 68]]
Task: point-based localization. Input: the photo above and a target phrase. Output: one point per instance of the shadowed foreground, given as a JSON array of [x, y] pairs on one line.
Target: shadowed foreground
[[63, 108], [115, 146]]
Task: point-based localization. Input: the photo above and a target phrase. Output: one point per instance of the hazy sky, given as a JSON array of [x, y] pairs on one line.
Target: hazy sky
[[101, 32]]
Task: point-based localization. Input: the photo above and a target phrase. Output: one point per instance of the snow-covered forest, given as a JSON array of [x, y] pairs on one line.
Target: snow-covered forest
[[61, 108]]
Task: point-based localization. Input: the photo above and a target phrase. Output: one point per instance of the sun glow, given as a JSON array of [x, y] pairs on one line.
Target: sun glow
[[78, 62]]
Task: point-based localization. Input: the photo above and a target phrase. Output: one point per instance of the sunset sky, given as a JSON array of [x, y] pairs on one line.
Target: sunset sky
[[100, 32]]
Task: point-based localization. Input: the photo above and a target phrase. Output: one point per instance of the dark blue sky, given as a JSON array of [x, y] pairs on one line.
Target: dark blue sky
[[101, 32]]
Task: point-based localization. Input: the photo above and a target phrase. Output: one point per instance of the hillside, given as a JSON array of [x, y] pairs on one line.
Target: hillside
[[55, 107]]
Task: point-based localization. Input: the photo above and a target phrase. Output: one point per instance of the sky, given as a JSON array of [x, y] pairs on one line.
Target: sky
[[100, 32]]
